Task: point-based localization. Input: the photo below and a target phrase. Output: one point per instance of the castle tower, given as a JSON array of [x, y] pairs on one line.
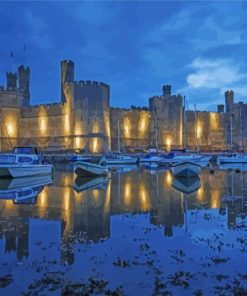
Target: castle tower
[[229, 100], [166, 90], [67, 75], [24, 80], [11, 80]]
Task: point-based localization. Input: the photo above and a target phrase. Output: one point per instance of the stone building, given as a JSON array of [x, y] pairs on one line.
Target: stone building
[[85, 121]]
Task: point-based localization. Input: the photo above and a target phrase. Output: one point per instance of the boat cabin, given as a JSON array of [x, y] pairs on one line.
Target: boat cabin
[[20, 155]]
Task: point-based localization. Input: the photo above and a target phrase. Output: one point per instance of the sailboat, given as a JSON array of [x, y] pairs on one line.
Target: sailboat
[[234, 157], [118, 158]]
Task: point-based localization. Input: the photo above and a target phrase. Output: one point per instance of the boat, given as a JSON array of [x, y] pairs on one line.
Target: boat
[[232, 158], [118, 159], [186, 185], [77, 157], [88, 169], [22, 162], [90, 183], [168, 161], [150, 158], [23, 190], [186, 169]]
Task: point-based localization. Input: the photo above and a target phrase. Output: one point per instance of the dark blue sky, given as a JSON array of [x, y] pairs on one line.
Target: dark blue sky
[[198, 47]]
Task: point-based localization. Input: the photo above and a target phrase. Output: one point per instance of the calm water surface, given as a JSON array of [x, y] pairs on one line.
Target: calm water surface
[[137, 233]]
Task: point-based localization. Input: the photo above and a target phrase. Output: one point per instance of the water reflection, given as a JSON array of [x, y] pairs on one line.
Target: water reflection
[[78, 214]]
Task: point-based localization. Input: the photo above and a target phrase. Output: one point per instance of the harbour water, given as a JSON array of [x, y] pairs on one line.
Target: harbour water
[[138, 232]]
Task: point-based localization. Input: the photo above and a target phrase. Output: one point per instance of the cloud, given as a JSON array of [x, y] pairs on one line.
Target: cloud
[[214, 74], [38, 30]]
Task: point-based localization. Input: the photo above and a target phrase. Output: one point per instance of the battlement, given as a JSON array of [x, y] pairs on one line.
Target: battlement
[[67, 62], [90, 82]]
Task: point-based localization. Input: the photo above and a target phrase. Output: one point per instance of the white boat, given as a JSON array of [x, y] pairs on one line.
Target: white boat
[[150, 158], [186, 169], [197, 158], [23, 190], [186, 185], [77, 157], [118, 159], [232, 158], [88, 169], [22, 162], [90, 183]]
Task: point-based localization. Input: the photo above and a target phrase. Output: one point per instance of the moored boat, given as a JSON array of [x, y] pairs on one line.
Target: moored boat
[[186, 185], [22, 162], [90, 183], [88, 169], [232, 158], [186, 169], [118, 159]]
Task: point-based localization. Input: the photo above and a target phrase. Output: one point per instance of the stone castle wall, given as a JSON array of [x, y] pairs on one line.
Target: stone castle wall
[[84, 119]]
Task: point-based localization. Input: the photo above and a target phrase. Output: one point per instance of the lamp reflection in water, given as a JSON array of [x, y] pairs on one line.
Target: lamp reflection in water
[[144, 197], [127, 192]]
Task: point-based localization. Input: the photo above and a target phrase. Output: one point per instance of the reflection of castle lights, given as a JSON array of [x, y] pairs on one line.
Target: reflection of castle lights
[[200, 194], [95, 145], [77, 142], [215, 199], [143, 197], [66, 197], [107, 198], [8, 204], [43, 198], [127, 193], [168, 179], [95, 195]]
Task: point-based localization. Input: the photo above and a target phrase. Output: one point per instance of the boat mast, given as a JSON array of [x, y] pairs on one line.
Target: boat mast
[[118, 132], [241, 130], [231, 131], [197, 145], [156, 127], [184, 125]]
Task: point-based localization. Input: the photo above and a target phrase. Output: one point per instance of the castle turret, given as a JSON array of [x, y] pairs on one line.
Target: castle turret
[[11, 80], [229, 100], [67, 75], [166, 90], [24, 80]]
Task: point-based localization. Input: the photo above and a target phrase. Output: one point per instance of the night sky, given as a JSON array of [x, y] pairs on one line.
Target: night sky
[[198, 47]]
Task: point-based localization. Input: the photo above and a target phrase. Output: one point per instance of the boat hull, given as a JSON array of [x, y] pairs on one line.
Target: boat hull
[[18, 171], [121, 161], [87, 169], [186, 170], [240, 159]]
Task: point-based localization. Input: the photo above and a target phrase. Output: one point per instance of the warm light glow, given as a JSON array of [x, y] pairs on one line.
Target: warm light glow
[[96, 127], [213, 118], [77, 142], [199, 130], [95, 145], [127, 127], [215, 199], [66, 198], [200, 194], [66, 123], [168, 143], [10, 129], [95, 194], [144, 198], [43, 123], [168, 179], [127, 193]]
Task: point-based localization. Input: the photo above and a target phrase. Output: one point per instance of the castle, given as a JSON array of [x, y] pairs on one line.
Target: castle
[[84, 119]]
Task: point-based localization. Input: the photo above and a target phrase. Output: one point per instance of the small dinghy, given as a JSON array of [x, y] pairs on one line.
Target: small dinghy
[[22, 162], [186, 185], [186, 169], [90, 183], [88, 169]]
